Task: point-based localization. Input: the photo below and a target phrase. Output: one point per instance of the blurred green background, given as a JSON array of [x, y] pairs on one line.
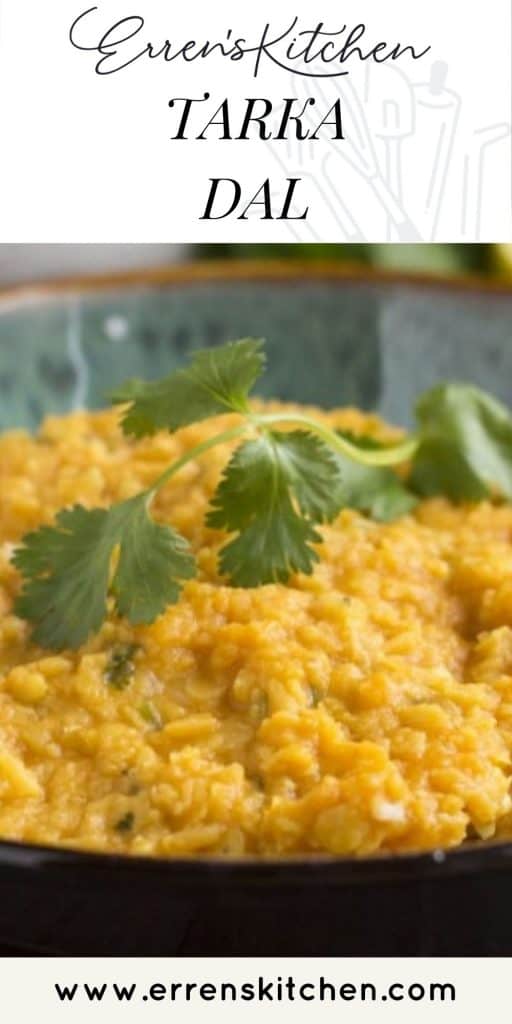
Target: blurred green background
[[488, 260], [22, 263]]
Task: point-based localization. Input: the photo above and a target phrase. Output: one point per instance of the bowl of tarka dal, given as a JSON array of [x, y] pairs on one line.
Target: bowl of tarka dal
[[256, 627]]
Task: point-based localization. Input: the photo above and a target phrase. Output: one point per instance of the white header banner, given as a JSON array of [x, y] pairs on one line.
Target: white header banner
[[218, 991], [274, 122]]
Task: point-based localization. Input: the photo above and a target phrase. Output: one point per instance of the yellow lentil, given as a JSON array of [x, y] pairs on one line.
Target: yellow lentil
[[365, 709]]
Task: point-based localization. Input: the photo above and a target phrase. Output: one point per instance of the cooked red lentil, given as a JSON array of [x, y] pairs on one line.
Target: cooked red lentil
[[366, 708]]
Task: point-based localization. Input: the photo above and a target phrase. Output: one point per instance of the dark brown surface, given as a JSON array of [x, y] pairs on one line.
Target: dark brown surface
[[58, 902]]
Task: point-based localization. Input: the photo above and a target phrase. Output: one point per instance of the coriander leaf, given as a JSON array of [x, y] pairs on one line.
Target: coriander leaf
[[306, 465], [153, 562], [374, 490], [275, 545], [67, 571], [273, 510], [217, 381], [465, 449], [311, 470]]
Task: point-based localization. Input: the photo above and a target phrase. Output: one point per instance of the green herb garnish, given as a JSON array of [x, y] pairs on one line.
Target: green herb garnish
[[278, 488], [218, 380], [120, 666], [375, 490], [316, 696], [274, 491], [464, 446], [126, 823], [150, 714]]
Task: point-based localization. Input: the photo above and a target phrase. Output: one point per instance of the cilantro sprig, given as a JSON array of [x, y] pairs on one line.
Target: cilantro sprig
[[217, 381], [274, 491], [69, 572], [279, 486]]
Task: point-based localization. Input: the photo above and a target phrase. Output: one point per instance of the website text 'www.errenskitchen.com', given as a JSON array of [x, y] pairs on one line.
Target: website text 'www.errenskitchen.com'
[[261, 990]]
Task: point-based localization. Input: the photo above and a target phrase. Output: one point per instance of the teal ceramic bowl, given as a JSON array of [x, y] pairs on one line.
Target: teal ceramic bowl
[[333, 338]]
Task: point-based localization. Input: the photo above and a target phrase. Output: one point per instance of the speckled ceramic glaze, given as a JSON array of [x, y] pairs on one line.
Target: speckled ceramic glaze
[[332, 339]]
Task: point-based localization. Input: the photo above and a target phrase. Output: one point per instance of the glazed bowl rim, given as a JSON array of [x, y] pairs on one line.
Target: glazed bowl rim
[[248, 272], [471, 858]]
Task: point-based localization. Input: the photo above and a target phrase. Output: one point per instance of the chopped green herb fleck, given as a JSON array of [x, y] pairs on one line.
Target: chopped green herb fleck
[[259, 707], [126, 823], [316, 696], [150, 714], [120, 666]]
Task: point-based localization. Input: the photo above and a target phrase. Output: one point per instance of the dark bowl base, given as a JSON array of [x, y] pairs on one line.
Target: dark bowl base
[[469, 915]]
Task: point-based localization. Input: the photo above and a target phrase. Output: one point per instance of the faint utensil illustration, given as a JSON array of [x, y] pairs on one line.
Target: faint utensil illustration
[[358, 150], [437, 112], [389, 99], [474, 174], [386, 119], [293, 164]]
